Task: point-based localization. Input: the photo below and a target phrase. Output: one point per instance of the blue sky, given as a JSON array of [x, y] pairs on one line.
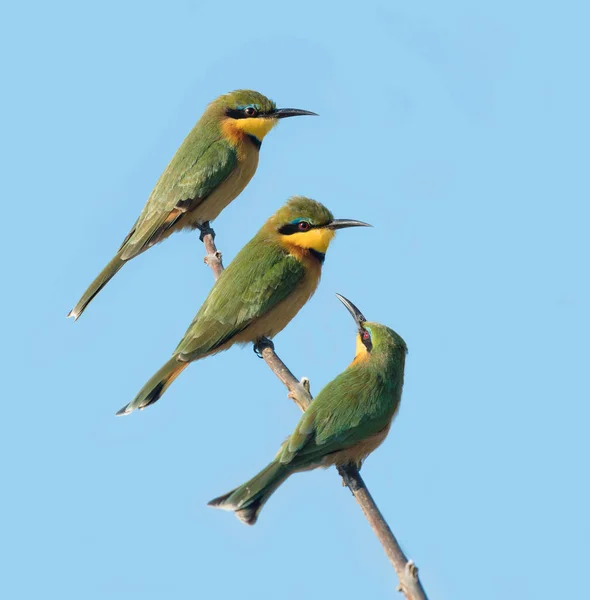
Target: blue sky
[[461, 132]]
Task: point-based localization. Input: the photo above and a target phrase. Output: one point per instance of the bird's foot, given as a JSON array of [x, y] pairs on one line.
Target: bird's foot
[[261, 344], [351, 476], [206, 229]]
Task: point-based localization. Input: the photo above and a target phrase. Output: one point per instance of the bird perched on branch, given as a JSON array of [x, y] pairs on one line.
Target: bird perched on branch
[[211, 168], [263, 288], [349, 418]]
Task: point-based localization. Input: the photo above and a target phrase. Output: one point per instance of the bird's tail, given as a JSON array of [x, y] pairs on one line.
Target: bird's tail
[[152, 391], [103, 278], [248, 499]]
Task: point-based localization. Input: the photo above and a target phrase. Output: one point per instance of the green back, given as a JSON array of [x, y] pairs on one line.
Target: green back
[[358, 403], [203, 161], [261, 275]]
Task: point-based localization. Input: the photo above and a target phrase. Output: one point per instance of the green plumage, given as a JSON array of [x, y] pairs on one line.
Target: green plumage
[[262, 275], [264, 278], [189, 192], [203, 161], [347, 420]]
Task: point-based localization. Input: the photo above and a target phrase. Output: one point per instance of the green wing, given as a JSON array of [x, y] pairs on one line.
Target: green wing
[[195, 171], [357, 404], [261, 275]]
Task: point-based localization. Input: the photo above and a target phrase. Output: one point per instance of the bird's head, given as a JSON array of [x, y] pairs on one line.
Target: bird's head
[[305, 225], [246, 112], [372, 338]]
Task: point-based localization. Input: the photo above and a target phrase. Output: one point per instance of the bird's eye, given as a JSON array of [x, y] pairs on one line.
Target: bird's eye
[[250, 111], [366, 335], [304, 226]]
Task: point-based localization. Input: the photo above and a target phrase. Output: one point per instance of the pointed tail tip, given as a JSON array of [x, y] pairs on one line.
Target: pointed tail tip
[[221, 503], [72, 315], [248, 515], [124, 411]]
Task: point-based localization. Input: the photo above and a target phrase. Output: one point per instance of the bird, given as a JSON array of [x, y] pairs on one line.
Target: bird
[[210, 169], [348, 419], [262, 289]]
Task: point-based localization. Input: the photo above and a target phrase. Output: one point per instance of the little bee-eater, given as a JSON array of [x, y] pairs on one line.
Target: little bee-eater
[[211, 168], [261, 290], [349, 418]]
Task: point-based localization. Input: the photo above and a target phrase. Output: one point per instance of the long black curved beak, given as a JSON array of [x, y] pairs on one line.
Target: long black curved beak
[[283, 113], [357, 315], [343, 223]]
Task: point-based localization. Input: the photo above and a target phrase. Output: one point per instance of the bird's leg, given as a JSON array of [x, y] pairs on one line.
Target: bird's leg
[[350, 475], [206, 229], [261, 344]]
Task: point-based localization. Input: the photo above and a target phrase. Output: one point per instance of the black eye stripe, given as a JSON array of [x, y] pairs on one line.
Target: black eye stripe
[[291, 228], [241, 114], [367, 341]]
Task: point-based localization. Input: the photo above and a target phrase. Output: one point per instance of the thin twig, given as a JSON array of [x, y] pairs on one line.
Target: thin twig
[[407, 571], [299, 392], [213, 257]]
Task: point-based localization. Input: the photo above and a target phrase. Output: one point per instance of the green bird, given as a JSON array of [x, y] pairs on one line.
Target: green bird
[[262, 289], [211, 168], [349, 418]]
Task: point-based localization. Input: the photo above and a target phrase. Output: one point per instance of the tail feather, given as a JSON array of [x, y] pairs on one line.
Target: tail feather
[[103, 278], [248, 499], [152, 391]]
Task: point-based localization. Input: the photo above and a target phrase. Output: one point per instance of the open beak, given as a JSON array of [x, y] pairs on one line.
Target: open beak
[[357, 315], [343, 223], [282, 113]]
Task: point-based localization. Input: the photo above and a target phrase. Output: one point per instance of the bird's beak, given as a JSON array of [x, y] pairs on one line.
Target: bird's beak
[[343, 223], [357, 315], [282, 113]]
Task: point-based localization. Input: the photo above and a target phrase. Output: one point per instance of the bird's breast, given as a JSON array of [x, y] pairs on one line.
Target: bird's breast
[[228, 189], [356, 454], [279, 316]]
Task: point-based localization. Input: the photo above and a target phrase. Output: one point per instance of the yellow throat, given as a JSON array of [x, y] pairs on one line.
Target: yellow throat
[[256, 126], [314, 239], [361, 352]]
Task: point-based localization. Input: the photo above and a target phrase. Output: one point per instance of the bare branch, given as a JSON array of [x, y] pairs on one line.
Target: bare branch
[[407, 571], [299, 392], [213, 257]]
